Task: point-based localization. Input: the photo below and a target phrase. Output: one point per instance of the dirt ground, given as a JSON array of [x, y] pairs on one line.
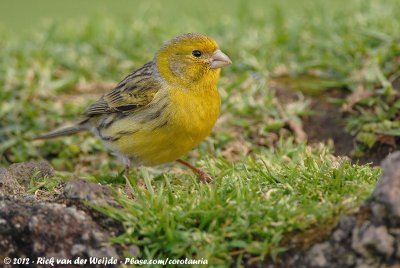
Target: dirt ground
[[326, 123]]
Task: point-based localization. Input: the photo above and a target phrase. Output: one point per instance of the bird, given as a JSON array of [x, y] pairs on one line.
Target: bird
[[161, 110]]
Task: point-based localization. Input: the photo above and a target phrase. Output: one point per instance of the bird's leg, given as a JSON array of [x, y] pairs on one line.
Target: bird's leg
[[126, 170], [203, 176], [128, 186]]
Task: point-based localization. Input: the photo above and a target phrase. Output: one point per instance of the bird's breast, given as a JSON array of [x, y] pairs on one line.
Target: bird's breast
[[169, 131], [194, 112], [189, 119]]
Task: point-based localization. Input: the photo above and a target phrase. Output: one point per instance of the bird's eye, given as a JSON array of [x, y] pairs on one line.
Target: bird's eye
[[196, 53]]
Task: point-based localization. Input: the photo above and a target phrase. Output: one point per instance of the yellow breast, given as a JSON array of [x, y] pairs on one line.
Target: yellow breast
[[187, 119]]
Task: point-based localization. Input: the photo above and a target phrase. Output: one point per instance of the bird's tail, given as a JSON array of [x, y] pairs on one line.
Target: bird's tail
[[63, 131]]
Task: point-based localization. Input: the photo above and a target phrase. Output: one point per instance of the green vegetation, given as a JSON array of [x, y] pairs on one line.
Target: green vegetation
[[247, 210], [264, 188]]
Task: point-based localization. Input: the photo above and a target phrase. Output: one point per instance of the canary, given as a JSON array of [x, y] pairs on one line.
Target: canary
[[161, 110]]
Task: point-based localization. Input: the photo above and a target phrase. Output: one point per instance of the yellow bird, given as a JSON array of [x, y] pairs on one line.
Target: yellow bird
[[162, 110]]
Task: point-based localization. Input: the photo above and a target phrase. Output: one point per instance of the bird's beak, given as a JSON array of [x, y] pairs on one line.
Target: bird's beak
[[219, 60]]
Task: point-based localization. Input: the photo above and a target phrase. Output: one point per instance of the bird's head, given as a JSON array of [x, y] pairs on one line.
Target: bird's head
[[189, 59]]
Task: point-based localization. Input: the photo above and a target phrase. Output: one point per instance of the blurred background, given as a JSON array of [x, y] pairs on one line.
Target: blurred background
[[23, 16], [285, 54], [289, 57]]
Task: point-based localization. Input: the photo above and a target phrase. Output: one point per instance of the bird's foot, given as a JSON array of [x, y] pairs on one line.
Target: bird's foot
[[204, 177]]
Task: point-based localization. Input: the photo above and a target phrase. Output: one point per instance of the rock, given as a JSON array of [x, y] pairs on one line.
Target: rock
[[316, 257], [23, 172], [51, 230], [78, 193], [398, 249], [63, 226], [387, 191], [8, 185], [368, 238], [346, 225], [92, 192], [15, 179], [379, 211]]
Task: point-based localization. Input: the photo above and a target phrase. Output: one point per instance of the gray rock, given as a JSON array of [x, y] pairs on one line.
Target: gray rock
[[387, 191], [51, 230], [362, 263], [92, 192], [346, 225], [379, 212], [370, 240], [8, 185], [62, 226], [24, 172], [16, 178], [317, 256], [398, 248]]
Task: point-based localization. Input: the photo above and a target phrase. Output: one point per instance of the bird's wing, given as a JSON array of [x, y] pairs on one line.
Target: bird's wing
[[134, 91]]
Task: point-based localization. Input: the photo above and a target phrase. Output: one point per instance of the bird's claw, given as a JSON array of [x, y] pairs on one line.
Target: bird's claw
[[205, 178]]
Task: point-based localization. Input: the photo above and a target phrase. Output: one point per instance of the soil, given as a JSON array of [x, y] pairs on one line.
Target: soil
[[326, 123]]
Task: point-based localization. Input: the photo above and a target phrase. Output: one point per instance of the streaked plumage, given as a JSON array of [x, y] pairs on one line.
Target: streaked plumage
[[163, 109]]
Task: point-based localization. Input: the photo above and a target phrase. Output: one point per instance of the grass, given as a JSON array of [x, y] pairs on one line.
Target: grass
[[265, 188], [247, 210]]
